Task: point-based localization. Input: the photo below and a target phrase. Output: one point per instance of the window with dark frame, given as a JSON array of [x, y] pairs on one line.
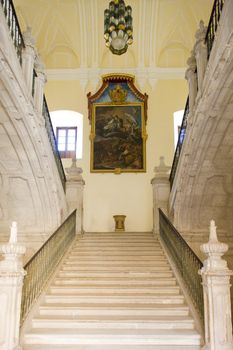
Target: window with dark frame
[[66, 141]]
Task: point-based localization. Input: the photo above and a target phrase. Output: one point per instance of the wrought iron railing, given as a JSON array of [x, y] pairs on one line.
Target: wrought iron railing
[[34, 75], [43, 264], [53, 142], [186, 261], [213, 24], [179, 143], [14, 27]]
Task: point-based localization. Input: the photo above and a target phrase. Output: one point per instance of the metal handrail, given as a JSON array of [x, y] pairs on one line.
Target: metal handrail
[[34, 76], [43, 264], [13, 24], [186, 261], [213, 24], [179, 143], [53, 142]]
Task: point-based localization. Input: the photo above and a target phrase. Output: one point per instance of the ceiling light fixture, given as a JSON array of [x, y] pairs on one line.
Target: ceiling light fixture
[[118, 29]]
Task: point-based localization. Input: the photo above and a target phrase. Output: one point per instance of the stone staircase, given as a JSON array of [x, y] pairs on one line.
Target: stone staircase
[[113, 291]]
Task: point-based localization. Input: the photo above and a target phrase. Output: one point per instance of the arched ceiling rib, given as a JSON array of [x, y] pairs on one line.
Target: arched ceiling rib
[[78, 26]]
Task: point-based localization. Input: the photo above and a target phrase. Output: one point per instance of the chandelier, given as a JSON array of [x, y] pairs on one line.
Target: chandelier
[[118, 29]]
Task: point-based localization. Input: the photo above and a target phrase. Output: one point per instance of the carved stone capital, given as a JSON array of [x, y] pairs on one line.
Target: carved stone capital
[[201, 32], [40, 68], [214, 250], [162, 168], [28, 38], [74, 172], [191, 62], [12, 253]]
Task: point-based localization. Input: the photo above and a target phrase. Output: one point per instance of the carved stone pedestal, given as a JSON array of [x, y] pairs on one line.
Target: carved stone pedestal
[[74, 193], [11, 282], [161, 191], [216, 288]]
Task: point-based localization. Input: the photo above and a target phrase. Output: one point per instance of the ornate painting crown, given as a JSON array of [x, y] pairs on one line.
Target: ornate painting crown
[[118, 94]]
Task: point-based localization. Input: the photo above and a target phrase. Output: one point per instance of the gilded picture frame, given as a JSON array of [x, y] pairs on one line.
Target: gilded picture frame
[[118, 127]]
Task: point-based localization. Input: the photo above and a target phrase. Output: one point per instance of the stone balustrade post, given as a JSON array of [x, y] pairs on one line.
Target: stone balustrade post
[[191, 77], [11, 282], [28, 58], [216, 288], [74, 193], [161, 190], [200, 50], [40, 81]]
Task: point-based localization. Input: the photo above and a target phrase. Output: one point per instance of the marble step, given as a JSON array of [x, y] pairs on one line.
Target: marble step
[[176, 322], [114, 269], [113, 347], [115, 248], [137, 310], [124, 299], [119, 239], [97, 275], [108, 292], [97, 253], [116, 236], [113, 292], [113, 263], [117, 257], [109, 337], [117, 244], [118, 283]]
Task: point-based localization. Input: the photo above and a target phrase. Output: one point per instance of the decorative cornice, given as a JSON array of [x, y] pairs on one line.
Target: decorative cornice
[[146, 73]]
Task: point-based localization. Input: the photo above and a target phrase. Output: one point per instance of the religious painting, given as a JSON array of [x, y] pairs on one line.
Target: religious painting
[[118, 126]]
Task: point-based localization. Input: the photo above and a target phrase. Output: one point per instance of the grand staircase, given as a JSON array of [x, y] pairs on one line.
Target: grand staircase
[[113, 291]]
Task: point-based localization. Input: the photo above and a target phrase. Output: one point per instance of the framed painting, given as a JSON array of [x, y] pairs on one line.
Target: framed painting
[[117, 113]]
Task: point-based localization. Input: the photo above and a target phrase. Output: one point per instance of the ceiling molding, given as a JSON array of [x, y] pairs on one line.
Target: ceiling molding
[[154, 73]]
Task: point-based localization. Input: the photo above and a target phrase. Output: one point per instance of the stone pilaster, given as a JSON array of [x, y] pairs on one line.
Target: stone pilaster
[[74, 193], [161, 190], [191, 77], [11, 282], [28, 58], [200, 50], [216, 288], [40, 81]]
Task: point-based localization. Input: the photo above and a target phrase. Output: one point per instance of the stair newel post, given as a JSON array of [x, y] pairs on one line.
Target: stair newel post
[[28, 58], [200, 50], [74, 193], [191, 77], [11, 283], [216, 288], [40, 81], [161, 190]]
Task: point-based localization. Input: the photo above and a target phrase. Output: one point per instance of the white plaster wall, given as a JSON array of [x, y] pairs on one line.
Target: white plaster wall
[[128, 193]]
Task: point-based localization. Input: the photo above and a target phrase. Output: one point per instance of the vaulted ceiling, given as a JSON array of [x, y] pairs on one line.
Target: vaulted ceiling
[[69, 33]]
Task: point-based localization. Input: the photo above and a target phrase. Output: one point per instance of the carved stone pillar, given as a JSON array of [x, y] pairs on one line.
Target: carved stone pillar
[[11, 282], [200, 50], [191, 77], [40, 81], [74, 193], [28, 58], [216, 287], [161, 191]]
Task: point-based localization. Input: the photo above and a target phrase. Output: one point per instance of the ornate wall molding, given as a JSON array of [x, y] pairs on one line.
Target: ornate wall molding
[[143, 74]]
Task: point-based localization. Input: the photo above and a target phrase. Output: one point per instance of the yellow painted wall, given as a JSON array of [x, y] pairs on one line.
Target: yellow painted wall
[[129, 194]]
